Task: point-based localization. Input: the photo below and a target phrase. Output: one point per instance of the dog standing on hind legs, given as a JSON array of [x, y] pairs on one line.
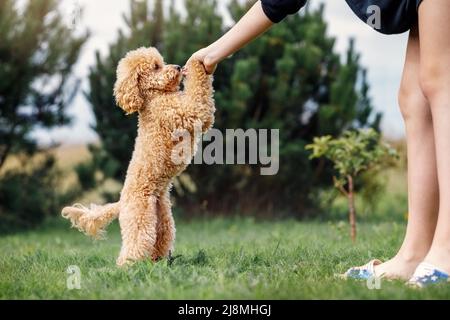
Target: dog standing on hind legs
[[145, 84]]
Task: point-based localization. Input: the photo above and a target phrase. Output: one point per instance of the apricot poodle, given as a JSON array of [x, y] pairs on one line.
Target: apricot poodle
[[145, 84]]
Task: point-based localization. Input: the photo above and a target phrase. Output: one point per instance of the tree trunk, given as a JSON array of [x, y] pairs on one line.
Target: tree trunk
[[4, 154], [351, 206], [9, 140]]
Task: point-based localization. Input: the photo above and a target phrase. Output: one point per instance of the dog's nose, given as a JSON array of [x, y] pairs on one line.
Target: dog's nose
[[178, 68]]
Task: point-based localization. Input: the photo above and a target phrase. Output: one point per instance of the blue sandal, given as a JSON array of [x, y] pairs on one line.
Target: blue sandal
[[426, 274], [364, 272]]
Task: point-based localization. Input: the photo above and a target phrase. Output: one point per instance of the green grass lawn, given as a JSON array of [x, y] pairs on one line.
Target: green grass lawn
[[219, 258]]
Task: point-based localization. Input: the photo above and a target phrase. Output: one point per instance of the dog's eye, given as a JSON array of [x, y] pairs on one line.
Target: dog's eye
[[156, 67]]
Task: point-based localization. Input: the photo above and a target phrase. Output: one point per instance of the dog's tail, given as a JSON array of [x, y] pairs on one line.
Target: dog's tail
[[94, 220]]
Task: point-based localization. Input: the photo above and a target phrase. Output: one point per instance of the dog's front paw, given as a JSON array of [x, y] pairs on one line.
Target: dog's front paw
[[195, 67]]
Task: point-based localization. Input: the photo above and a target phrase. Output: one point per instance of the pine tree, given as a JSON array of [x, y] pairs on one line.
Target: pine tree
[[291, 78], [37, 55], [38, 51]]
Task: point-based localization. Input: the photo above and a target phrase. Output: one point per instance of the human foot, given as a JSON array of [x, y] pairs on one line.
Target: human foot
[[427, 274], [439, 256], [397, 268], [400, 267]]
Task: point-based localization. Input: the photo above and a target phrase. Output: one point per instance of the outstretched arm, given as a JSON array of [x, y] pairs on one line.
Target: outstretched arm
[[251, 25], [261, 16]]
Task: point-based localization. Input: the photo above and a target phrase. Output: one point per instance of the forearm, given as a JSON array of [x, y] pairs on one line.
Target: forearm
[[250, 26]]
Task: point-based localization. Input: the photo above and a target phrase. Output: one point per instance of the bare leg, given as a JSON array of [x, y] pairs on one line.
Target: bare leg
[[434, 24], [165, 229], [422, 177], [138, 227]]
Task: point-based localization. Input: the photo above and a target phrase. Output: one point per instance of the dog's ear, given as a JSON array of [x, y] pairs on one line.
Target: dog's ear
[[127, 89]]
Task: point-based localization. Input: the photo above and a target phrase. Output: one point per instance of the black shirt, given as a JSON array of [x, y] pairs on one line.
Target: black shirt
[[385, 16]]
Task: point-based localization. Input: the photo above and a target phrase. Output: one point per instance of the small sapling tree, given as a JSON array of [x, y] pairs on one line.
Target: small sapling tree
[[352, 154]]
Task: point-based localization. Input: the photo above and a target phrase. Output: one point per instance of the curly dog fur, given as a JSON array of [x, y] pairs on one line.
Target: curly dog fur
[[145, 84]]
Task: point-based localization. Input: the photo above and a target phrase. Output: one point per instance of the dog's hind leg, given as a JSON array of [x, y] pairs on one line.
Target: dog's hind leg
[[138, 228], [165, 228]]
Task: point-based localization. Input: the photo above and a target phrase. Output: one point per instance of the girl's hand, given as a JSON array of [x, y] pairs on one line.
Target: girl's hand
[[207, 57]]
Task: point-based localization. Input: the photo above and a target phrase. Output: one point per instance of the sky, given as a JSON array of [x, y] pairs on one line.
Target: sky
[[382, 55]]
